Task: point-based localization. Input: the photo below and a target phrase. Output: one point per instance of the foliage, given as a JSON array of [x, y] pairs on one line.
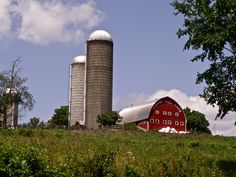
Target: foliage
[[130, 172], [28, 161], [130, 126], [34, 122], [13, 90], [42, 124], [55, 152], [60, 116], [27, 132], [99, 165], [196, 121], [108, 119], [210, 26]]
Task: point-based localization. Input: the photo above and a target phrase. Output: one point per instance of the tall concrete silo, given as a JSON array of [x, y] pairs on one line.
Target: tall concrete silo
[[77, 91], [99, 70]]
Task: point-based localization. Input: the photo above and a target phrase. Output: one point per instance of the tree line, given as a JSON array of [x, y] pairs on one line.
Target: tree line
[[196, 121]]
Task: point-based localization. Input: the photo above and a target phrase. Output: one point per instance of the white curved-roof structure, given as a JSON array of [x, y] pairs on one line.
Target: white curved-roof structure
[[136, 113], [100, 35], [79, 59], [163, 115]]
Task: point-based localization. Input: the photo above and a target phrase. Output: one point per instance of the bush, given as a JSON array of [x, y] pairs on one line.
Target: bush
[[90, 165], [130, 172], [29, 161], [100, 165], [108, 119], [130, 126], [26, 132]]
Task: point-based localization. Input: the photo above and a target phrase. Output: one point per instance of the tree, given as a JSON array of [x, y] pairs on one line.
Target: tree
[[42, 124], [34, 122], [14, 91], [60, 116], [210, 26], [108, 119], [196, 121]]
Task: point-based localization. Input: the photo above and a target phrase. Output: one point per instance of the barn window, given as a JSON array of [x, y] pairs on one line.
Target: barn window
[[164, 121], [157, 121], [164, 113], [176, 123], [169, 113], [182, 123], [177, 114], [157, 111], [169, 122], [151, 120]]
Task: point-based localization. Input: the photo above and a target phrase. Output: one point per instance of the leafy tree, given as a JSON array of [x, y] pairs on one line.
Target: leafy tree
[[42, 124], [210, 26], [196, 121], [14, 91], [60, 116], [108, 119], [34, 122]]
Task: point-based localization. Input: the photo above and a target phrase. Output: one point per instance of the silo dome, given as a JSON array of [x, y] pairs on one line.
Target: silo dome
[[79, 59], [100, 35]]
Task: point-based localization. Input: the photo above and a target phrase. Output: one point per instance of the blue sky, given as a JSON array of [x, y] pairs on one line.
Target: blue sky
[[149, 60]]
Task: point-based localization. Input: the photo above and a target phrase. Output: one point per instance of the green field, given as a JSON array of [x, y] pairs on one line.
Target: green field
[[28, 152]]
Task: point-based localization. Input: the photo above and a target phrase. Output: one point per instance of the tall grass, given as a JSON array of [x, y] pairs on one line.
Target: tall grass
[[124, 153]]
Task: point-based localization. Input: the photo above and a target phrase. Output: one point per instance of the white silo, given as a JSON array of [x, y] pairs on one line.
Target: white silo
[[77, 91]]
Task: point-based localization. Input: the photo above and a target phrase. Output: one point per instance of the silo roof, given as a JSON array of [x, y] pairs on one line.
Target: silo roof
[[79, 59], [100, 35]]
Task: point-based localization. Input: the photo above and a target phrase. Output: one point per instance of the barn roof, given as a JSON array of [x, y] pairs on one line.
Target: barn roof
[[136, 113]]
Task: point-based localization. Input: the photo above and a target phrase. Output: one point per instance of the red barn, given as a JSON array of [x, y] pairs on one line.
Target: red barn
[[161, 115]]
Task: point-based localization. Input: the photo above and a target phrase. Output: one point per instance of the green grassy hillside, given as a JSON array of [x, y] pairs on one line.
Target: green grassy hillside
[[27, 152]]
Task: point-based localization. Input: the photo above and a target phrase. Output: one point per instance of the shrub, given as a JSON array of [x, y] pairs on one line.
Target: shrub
[[130, 172], [130, 126], [108, 119], [26, 132], [29, 161], [100, 165]]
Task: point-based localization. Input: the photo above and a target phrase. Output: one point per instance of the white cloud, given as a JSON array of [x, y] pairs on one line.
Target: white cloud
[[51, 21], [131, 99], [5, 18], [221, 127]]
